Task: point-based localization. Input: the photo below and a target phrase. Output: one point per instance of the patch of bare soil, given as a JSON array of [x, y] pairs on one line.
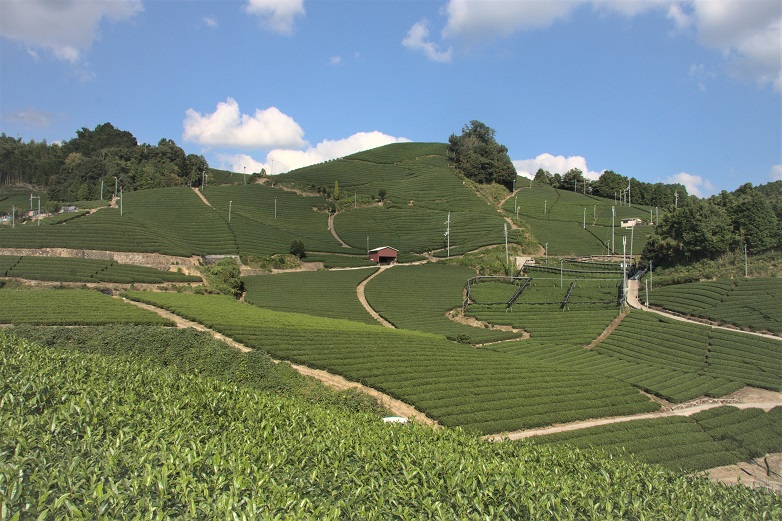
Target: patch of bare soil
[[760, 472], [457, 316]]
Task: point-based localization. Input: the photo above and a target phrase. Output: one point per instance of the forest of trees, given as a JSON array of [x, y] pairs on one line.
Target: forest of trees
[[74, 170], [707, 228], [612, 185]]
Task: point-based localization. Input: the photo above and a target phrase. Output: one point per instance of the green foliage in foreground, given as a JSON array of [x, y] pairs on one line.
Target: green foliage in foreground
[[480, 390], [709, 439], [320, 293], [70, 307], [85, 270], [88, 437], [194, 352], [751, 303]]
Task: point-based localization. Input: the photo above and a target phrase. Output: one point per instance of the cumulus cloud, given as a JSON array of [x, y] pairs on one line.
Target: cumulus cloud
[[746, 32], [228, 127], [210, 21], [276, 15], [554, 165], [695, 184], [417, 39], [775, 174], [284, 160], [65, 28]]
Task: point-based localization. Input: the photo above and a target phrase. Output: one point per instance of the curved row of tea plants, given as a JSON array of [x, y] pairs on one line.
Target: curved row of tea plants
[[320, 293], [480, 390], [418, 298], [70, 307], [87, 436], [66, 269], [751, 303], [709, 439]]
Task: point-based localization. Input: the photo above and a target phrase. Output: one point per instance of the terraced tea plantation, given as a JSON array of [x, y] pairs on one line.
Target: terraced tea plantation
[[424, 370], [70, 307], [747, 303], [577, 224], [708, 439], [86, 436], [419, 297], [329, 294], [85, 270]]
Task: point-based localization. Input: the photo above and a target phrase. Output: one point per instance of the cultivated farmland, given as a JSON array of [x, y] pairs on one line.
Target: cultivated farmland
[[747, 303], [91, 436], [65, 269], [424, 370]]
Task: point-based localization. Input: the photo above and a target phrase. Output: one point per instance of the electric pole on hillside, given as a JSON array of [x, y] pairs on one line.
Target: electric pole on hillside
[[230, 204], [624, 268], [448, 235], [629, 197], [613, 214]]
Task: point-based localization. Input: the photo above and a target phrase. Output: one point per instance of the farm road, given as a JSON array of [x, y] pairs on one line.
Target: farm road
[[363, 299], [746, 398], [397, 407]]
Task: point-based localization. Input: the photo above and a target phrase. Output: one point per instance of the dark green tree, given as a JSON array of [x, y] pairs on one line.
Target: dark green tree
[[382, 193], [297, 248], [477, 155]]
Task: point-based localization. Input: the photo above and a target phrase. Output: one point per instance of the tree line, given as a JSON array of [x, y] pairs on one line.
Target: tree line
[[73, 170], [615, 186], [708, 228]]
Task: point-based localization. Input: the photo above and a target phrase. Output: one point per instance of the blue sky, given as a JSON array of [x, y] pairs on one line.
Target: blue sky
[[659, 90]]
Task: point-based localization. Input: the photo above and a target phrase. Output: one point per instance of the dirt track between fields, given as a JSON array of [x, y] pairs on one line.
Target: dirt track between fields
[[363, 299], [397, 407]]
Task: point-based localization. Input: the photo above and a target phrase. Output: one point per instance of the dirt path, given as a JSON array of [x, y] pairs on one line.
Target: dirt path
[[746, 398], [363, 299], [397, 407], [634, 302], [203, 198], [334, 231]]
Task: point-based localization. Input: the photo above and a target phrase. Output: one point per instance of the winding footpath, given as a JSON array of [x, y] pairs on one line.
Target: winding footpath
[[397, 407]]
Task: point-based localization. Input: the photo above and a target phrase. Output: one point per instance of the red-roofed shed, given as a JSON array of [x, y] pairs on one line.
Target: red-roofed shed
[[383, 255]]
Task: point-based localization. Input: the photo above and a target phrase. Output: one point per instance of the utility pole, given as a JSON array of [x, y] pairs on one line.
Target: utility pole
[[120, 201], [230, 204], [613, 214], [275, 207], [115, 186], [560, 273], [632, 233], [676, 199], [746, 267], [546, 254], [629, 196], [585, 218], [13, 216], [101, 189], [39, 210], [545, 207]]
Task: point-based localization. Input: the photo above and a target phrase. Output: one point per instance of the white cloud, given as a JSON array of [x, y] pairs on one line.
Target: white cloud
[[32, 117], [284, 160], [240, 163], [276, 15], [554, 165], [65, 28], [210, 21], [488, 19], [695, 184], [775, 174], [748, 34], [417, 39], [335, 60], [227, 127]]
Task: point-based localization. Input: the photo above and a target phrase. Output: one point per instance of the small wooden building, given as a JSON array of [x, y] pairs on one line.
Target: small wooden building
[[630, 222], [383, 255]]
